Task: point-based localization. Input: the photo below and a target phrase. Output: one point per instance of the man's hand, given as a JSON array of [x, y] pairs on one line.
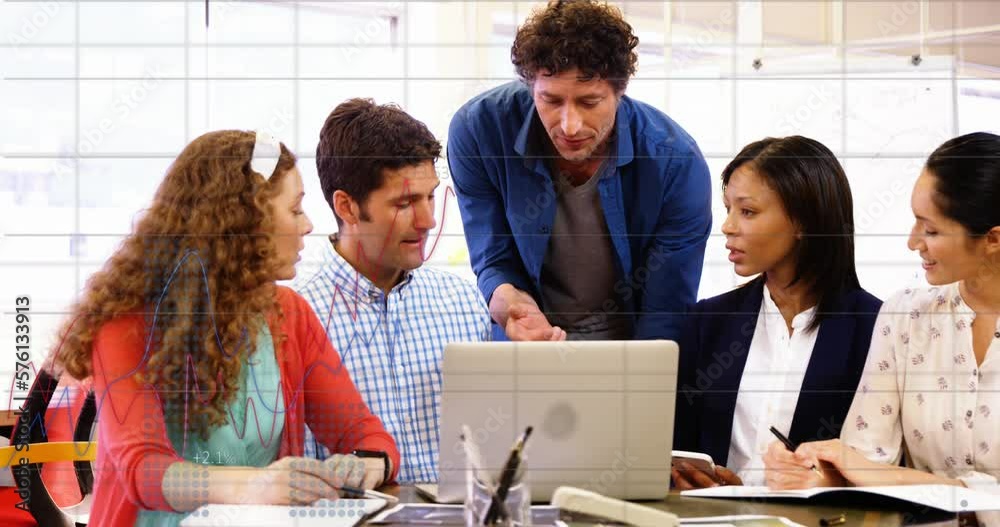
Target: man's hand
[[526, 322], [520, 316]]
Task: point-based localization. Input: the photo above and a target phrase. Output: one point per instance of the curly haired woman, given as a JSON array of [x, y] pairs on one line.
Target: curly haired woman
[[204, 369]]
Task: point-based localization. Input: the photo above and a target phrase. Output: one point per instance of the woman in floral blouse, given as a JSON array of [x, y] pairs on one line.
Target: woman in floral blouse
[[931, 386]]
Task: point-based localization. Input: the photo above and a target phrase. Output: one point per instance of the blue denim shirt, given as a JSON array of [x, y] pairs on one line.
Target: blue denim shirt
[[657, 203]]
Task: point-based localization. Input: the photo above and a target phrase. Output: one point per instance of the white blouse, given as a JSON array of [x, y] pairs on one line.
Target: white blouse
[[769, 389], [922, 391]]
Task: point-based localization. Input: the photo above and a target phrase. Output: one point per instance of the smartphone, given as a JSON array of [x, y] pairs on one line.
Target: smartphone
[[699, 461]]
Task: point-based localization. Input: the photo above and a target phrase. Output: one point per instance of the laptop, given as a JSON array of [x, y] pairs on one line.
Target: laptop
[[602, 414]]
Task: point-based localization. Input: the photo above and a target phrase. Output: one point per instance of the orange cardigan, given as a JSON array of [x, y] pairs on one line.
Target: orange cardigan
[[133, 448]]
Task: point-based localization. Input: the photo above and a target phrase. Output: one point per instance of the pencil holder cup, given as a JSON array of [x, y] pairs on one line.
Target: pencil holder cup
[[514, 511]]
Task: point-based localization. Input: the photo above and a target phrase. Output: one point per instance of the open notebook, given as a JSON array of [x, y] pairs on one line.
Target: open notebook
[[942, 497], [323, 513]]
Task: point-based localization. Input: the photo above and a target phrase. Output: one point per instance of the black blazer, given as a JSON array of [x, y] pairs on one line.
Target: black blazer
[[713, 353]]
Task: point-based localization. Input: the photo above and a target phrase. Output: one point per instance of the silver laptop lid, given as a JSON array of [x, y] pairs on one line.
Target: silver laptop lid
[[602, 413]]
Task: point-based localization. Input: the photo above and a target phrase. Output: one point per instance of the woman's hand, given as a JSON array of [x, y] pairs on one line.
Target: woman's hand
[[853, 467], [356, 472], [860, 471], [793, 470], [287, 481], [294, 481], [686, 477]]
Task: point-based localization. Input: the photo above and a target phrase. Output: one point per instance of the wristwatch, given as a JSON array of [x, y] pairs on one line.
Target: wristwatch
[[378, 454]]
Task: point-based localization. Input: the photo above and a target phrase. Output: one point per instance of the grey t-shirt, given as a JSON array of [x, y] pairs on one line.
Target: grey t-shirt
[[578, 274]]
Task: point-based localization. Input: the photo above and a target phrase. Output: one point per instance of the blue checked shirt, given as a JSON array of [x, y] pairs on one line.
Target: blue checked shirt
[[392, 345]]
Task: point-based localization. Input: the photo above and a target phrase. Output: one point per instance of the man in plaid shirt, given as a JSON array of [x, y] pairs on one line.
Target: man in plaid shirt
[[388, 317]]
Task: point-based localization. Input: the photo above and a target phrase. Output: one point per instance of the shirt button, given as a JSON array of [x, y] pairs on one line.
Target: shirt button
[[968, 413], [968, 460], [997, 334], [544, 229]]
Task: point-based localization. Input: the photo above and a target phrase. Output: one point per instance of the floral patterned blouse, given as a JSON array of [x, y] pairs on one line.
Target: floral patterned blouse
[[922, 392]]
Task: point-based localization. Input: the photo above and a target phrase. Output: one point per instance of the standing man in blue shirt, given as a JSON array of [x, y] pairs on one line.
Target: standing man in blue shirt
[[388, 316], [586, 212]]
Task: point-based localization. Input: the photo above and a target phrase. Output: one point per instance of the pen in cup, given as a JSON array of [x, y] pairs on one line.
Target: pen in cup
[[507, 478], [791, 447]]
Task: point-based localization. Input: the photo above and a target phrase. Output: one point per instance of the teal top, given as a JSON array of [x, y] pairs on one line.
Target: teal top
[[243, 440]]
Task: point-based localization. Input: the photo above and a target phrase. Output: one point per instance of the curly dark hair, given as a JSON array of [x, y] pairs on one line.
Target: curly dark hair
[[576, 34]]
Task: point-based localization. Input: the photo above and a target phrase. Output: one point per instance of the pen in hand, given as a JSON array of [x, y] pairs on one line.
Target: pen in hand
[[792, 447], [360, 493]]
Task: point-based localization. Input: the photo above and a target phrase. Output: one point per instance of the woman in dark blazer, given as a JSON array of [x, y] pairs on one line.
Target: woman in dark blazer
[[786, 349]]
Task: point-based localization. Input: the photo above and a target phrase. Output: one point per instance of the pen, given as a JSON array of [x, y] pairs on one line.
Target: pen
[[353, 492], [836, 520], [791, 447], [506, 478]]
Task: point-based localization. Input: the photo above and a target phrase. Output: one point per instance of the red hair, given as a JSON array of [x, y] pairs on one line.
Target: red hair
[[200, 266]]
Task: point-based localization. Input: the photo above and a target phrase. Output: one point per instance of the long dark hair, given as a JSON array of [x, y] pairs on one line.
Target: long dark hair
[[814, 190]]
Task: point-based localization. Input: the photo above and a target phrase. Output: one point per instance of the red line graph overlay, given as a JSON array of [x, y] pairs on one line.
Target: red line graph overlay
[[62, 396]]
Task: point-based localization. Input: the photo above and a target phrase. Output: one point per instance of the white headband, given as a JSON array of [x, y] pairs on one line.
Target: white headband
[[266, 151]]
